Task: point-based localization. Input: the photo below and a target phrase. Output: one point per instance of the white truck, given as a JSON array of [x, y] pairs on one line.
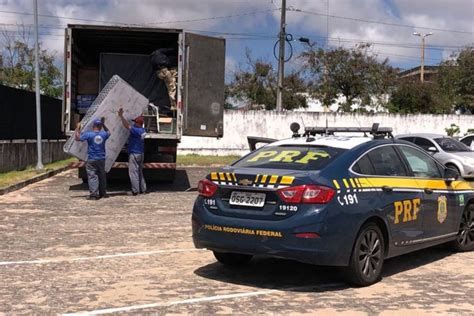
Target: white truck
[[94, 53]]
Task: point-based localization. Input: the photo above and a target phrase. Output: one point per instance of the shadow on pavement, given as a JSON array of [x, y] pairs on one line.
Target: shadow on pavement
[[181, 183], [282, 274]]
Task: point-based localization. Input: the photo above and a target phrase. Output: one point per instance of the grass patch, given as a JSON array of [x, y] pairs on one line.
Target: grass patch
[[12, 177], [198, 160]]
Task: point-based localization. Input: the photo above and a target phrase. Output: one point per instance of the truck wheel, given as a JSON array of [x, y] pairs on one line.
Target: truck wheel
[[232, 259], [465, 238], [367, 256]]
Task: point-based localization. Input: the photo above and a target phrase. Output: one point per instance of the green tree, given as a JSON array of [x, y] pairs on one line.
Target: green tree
[[354, 73], [17, 66], [456, 79], [417, 97], [257, 86]]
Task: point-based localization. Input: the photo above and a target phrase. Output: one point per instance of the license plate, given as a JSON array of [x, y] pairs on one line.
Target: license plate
[[247, 199]]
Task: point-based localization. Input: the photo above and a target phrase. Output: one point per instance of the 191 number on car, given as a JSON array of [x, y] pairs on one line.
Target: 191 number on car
[[348, 199]]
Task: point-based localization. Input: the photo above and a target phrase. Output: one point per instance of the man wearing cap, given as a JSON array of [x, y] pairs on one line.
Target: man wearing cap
[[136, 150], [95, 166]]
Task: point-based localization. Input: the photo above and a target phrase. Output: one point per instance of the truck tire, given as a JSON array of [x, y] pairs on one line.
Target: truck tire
[[367, 257], [232, 259]]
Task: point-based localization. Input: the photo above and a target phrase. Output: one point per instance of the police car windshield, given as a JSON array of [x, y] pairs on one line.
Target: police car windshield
[[290, 157], [451, 145]]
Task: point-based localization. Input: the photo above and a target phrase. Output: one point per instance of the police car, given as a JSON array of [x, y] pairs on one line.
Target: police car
[[326, 198]]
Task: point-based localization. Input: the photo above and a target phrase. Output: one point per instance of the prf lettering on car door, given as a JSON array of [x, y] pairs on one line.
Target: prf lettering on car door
[[406, 210]]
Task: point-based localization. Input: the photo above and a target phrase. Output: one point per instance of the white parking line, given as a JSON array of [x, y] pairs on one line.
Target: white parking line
[[163, 304], [196, 300], [117, 255]]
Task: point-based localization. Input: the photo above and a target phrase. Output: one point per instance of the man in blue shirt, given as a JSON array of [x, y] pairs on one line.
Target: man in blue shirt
[[95, 166], [136, 151]]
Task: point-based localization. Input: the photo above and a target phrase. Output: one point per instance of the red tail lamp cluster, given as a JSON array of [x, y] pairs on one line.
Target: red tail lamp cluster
[[206, 188], [307, 194]]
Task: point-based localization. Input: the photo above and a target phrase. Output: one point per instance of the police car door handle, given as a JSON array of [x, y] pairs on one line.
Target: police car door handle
[[386, 188], [428, 191]]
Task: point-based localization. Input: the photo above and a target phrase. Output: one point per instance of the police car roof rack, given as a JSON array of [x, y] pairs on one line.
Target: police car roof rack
[[376, 131]]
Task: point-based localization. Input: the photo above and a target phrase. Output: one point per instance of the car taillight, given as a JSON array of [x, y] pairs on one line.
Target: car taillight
[[308, 194], [206, 188]]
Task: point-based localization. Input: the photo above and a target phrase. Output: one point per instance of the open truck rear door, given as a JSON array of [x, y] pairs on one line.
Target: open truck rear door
[[203, 110]]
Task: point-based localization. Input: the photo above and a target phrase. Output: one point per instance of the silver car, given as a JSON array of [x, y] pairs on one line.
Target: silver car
[[449, 151]]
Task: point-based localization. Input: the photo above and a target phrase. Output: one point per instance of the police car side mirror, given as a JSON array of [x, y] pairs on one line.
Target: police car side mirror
[[451, 174], [432, 149]]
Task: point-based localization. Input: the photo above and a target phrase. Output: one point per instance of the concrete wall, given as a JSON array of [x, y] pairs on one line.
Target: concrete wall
[[17, 154], [240, 124]]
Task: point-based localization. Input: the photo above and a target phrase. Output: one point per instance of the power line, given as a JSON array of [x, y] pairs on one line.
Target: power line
[[378, 22], [148, 23]]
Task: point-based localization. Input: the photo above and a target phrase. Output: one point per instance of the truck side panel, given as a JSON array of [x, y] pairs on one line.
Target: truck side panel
[[204, 86]]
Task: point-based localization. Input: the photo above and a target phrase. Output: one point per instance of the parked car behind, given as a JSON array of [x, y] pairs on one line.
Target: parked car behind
[[468, 141], [449, 151]]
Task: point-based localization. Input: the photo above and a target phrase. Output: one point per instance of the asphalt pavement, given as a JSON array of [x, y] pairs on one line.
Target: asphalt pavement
[[60, 254]]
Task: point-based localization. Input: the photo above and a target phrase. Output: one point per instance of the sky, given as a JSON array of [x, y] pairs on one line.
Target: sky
[[254, 24]]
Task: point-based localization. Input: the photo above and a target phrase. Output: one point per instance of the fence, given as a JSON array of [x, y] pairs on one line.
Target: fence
[[18, 115], [240, 124], [18, 154]]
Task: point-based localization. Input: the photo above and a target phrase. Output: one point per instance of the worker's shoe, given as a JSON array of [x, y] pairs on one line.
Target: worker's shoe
[[93, 198]]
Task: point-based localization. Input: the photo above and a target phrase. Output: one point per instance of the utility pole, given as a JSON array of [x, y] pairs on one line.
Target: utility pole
[[422, 68], [39, 164], [281, 56]]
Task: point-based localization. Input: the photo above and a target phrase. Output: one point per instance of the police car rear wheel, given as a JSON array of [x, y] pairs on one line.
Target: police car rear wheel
[[367, 256], [465, 237], [232, 259]]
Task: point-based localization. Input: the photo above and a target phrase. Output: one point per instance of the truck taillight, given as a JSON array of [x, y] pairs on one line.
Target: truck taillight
[[206, 188], [307, 194]]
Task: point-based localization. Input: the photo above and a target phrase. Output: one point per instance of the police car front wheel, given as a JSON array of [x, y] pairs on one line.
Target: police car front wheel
[[232, 259], [465, 238], [367, 256]]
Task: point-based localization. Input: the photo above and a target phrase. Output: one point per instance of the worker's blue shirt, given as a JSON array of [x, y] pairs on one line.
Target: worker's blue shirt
[[136, 140], [96, 144]]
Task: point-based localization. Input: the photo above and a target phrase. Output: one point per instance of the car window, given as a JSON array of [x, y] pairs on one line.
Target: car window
[[424, 143], [421, 164], [290, 157], [408, 139], [364, 166], [451, 145], [386, 162], [467, 140]]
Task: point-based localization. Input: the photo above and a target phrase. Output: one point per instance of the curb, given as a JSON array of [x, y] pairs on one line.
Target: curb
[[23, 184]]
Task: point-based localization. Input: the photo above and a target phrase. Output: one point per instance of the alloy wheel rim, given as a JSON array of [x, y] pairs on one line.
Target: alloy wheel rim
[[466, 230], [370, 253]]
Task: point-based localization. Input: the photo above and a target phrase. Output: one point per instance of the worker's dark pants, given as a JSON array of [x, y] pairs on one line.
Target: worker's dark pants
[[96, 177], [135, 171]]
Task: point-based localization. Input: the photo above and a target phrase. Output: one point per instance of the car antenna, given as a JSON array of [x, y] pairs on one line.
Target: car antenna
[[302, 122]]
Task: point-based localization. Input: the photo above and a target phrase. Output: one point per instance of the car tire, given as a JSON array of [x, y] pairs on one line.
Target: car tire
[[232, 259], [367, 257], [465, 239], [454, 167]]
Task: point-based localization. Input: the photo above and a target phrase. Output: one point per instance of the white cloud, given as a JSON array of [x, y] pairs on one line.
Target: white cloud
[[441, 14]]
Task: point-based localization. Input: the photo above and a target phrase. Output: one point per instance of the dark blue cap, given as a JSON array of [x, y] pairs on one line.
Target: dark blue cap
[[97, 122]]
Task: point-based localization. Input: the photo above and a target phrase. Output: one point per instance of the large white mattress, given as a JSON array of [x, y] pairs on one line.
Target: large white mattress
[[116, 94]]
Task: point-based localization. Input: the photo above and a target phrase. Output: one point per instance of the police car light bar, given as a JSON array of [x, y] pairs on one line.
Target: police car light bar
[[375, 130]]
